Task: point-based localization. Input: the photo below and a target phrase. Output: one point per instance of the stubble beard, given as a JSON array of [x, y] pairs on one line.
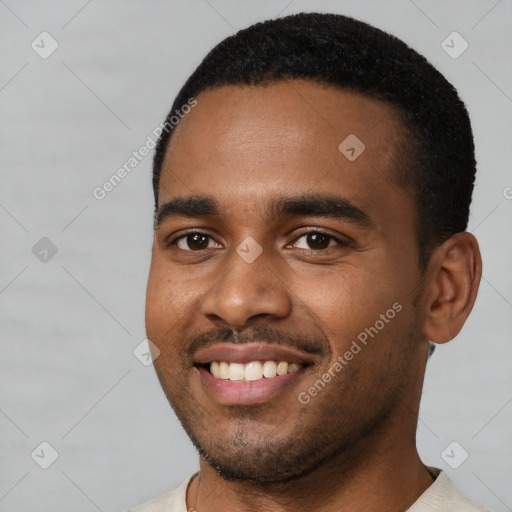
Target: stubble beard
[[321, 435]]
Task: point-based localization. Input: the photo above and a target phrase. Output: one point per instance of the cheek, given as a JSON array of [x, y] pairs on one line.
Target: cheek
[[341, 299], [352, 303], [160, 298], [163, 326], [153, 300], [171, 301]]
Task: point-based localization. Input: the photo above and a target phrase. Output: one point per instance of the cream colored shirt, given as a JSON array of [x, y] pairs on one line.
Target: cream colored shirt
[[441, 496]]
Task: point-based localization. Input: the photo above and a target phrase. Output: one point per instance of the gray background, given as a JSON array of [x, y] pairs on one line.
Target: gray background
[[69, 325]]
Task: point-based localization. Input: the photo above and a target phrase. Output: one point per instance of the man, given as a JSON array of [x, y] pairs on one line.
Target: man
[[311, 206]]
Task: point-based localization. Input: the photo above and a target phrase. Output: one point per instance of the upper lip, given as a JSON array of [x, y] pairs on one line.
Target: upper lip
[[233, 353]]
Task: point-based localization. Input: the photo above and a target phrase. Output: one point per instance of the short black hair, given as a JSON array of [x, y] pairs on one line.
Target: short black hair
[[438, 162]]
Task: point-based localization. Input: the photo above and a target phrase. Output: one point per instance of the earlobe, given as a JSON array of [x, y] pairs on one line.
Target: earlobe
[[454, 274]]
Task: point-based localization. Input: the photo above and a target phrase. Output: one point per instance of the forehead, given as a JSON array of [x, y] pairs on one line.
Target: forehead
[[288, 137]]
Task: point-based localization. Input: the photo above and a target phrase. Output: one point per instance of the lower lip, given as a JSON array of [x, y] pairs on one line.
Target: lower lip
[[228, 392]]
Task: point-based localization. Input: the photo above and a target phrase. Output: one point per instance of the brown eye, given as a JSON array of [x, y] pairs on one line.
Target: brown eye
[[315, 240], [193, 242]]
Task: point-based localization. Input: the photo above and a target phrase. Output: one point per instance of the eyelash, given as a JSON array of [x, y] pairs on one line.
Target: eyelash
[[339, 242]]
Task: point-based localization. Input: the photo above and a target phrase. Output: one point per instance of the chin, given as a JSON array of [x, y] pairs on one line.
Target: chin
[[245, 457]]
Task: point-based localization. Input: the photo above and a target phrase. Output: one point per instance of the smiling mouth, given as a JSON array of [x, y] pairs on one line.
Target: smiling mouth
[[252, 371]]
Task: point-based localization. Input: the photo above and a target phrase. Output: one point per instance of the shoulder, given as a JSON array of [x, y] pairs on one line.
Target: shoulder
[[442, 496], [174, 501]]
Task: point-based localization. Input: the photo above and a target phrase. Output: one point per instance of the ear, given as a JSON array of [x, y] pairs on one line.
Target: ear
[[454, 272]]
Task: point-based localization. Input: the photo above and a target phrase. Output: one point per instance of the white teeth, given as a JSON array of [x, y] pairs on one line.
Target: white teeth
[[269, 369], [236, 371], [293, 367], [282, 368], [224, 370], [215, 369], [255, 370]]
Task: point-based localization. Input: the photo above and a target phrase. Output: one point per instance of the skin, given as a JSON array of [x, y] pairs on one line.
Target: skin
[[353, 445]]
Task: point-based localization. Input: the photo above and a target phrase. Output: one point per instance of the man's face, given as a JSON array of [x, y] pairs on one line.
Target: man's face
[[303, 251]]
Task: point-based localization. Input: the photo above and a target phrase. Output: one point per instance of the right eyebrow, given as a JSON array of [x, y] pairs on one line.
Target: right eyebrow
[[192, 206]]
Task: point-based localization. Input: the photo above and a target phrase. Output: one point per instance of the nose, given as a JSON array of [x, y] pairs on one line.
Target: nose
[[246, 290]]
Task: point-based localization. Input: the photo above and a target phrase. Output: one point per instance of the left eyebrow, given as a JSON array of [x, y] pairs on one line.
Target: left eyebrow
[[320, 205]]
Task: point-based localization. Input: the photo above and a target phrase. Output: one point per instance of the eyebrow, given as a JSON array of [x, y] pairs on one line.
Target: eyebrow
[[192, 206], [311, 205]]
